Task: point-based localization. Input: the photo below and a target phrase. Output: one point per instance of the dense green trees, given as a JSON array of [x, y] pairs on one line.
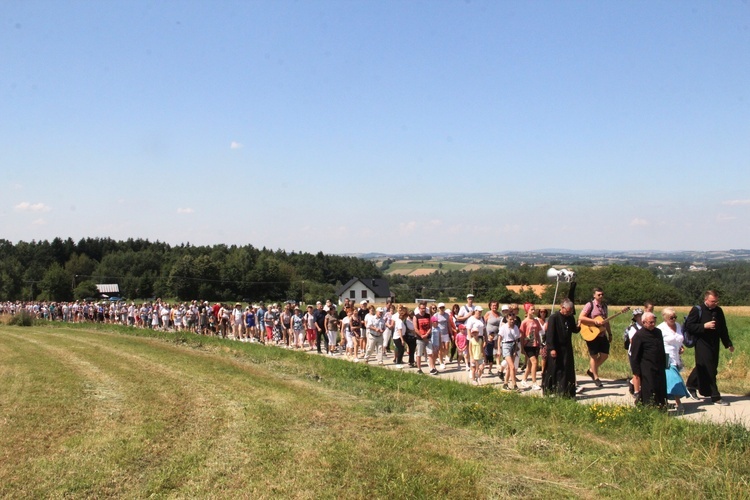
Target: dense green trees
[[64, 270], [623, 284]]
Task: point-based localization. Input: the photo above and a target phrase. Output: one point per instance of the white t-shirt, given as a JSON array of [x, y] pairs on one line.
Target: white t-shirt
[[509, 334], [474, 322], [345, 326], [466, 309]]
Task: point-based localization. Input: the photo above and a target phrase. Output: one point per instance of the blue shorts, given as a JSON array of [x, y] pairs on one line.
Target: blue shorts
[[435, 340], [509, 348]]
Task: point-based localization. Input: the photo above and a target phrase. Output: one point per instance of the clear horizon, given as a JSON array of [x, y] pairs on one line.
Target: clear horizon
[[389, 127]]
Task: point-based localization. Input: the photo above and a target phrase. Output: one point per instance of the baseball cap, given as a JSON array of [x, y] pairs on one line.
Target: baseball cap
[[505, 308], [442, 304], [470, 296]]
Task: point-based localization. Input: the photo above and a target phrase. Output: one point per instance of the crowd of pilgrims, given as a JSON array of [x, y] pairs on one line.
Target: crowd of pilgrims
[[490, 343]]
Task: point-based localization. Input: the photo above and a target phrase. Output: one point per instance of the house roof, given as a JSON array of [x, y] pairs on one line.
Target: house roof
[[379, 286], [108, 288]]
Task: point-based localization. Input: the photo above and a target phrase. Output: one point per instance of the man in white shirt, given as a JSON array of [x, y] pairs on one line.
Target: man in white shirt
[[466, 311]]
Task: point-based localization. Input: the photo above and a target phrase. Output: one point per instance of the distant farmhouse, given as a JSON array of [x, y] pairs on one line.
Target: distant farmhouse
[[372, 290]]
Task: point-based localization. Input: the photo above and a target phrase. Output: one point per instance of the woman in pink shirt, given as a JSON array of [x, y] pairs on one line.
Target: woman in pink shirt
[[531, 341]]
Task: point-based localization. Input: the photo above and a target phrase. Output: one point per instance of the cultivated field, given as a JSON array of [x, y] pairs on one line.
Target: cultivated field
[[101, 412], [426, 267]]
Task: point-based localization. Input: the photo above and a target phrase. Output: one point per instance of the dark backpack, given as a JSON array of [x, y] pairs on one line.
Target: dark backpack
[[688, 339]]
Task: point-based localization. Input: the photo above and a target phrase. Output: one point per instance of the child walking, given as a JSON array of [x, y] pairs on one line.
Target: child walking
[[476, 355]]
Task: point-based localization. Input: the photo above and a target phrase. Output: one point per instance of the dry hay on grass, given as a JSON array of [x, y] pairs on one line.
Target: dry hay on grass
[[739, 311], [743, 311], [471, 267]]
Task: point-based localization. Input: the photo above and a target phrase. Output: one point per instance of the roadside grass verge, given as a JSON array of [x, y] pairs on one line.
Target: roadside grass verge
[[113, 411]]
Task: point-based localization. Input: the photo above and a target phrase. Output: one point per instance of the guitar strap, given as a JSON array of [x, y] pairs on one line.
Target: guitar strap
[[603, 308], [591, 311]]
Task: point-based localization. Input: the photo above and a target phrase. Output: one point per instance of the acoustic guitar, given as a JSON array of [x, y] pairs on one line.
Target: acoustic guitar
[[589, 333]]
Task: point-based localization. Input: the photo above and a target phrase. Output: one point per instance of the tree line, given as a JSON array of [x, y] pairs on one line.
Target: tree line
[[63, 270], [623, 284]]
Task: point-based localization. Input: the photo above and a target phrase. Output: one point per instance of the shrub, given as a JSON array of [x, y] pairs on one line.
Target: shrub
[[22, 318]]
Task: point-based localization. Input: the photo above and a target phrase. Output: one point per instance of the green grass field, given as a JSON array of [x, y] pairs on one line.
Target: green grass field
[[116, 412], [421, 268]]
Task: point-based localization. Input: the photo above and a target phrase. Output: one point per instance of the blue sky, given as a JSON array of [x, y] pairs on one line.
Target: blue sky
[[386, 126]]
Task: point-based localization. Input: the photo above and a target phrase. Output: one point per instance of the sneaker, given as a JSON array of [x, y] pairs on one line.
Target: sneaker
[[380, 363], [356, 360], [468, 368], [420, 371], [720, 402], [442, 366], [506, 388], [399, 366], [535, 388], [580, 389], [433, 372], [598, 383], [588, 372], [524, 384], [692, 392]]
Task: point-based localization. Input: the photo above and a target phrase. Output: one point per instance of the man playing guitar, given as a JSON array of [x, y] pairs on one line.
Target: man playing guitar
[[594, 313]]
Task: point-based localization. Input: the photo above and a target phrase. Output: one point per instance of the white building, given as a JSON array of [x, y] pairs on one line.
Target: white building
[[372, 290]]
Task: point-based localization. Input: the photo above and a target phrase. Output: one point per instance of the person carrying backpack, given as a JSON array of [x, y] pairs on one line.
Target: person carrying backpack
[[708, 324]]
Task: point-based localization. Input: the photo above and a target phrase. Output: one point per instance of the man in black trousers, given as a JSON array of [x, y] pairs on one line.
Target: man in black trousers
[[707, 323]]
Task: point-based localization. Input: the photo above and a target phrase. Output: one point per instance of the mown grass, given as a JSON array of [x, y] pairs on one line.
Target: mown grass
[[108, 411]]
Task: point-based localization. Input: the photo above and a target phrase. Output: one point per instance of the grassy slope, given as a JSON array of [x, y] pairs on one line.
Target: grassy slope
[[101, 413]]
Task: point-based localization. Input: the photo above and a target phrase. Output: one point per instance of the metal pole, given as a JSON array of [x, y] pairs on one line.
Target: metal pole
[[557, 284]]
